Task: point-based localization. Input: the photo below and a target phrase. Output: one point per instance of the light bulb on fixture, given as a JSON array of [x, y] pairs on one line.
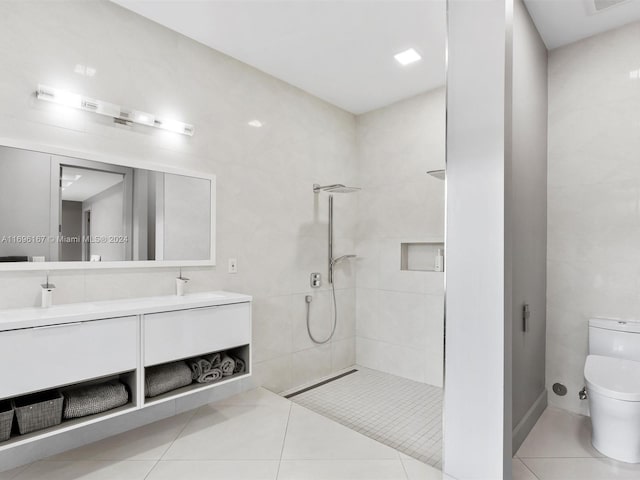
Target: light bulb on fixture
[[61, 97], [174, 126], [143, 118]]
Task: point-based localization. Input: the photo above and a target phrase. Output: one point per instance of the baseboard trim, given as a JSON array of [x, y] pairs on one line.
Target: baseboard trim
[[530, 418]]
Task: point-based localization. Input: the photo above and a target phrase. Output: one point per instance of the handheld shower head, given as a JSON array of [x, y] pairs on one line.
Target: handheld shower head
[[335, 261]]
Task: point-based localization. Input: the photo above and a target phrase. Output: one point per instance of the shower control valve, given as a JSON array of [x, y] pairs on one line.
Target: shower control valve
[[316, 280]]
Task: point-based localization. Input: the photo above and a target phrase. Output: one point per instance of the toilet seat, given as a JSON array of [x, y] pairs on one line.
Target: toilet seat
[[613, 377]]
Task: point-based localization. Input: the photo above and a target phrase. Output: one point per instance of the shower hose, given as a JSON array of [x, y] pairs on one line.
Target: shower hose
[[308, 299]]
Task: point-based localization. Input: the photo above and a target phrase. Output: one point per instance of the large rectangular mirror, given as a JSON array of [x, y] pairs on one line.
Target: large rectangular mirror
[[75, 213]]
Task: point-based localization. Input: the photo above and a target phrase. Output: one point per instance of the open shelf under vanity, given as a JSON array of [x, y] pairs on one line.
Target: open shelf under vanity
[[242, 352], [129, 379]]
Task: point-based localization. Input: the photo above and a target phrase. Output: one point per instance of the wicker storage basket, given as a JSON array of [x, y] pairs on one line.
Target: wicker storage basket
[[6, 420], [38, 411]]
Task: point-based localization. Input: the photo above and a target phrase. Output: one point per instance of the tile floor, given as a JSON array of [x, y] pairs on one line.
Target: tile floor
[[257, 435], [403, 414], [559, 448]]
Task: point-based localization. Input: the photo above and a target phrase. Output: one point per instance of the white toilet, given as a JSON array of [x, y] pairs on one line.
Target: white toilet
[[612, 373]]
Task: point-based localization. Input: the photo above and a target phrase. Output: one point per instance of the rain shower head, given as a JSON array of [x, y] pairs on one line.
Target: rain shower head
[[335, 188]]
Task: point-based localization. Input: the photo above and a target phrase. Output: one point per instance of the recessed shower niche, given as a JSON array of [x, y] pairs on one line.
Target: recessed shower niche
[[422, 256]]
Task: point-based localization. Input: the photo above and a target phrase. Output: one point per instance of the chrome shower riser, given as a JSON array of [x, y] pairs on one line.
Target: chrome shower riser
[[330, 239], [334, 188]]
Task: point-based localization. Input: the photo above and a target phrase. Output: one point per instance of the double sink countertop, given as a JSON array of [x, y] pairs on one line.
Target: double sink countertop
[[19, 318]]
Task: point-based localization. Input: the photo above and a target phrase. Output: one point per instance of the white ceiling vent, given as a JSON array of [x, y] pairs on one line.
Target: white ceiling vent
[[597, 6]]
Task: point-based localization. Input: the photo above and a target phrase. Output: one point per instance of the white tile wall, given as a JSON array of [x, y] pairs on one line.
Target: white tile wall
[[267, 216], [593, 196], [399, 314]]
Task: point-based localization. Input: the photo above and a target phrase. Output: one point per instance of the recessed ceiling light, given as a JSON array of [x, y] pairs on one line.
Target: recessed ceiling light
[[407, 57], [255, 123]]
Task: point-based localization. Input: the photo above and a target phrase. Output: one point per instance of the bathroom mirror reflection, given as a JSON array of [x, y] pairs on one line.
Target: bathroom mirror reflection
[[93, 205], [64, 209]]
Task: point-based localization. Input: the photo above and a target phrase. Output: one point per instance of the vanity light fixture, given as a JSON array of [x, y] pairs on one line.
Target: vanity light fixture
[[124, 116], [408, 56]]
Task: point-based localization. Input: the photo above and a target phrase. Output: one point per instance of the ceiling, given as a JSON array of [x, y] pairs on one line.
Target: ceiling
[[566, 21], [79, 184], [340, 51]]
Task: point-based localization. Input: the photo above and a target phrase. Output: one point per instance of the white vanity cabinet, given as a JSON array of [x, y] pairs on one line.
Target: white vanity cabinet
[[186, 333], [44, 349], [51, 356]]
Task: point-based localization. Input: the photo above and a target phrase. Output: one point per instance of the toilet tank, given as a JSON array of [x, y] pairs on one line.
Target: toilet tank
[[615, 338]]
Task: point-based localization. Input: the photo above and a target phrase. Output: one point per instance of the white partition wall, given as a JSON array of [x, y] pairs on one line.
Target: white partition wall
[[477, 413], [529, 223]]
